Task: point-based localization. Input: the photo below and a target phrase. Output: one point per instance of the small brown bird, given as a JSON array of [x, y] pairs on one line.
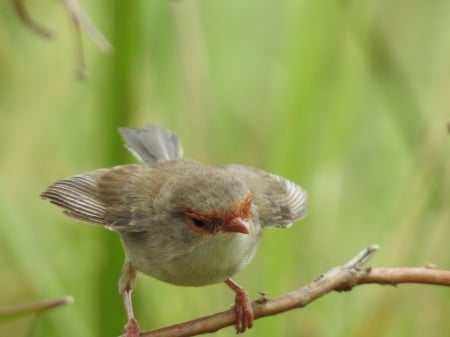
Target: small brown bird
[[180, 221]]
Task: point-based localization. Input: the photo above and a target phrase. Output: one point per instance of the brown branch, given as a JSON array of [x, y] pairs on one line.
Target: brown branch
[[340, 278], [28, 308]]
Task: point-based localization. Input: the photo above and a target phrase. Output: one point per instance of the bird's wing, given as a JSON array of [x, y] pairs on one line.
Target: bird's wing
[[152, 144], [279, 202], [99, 197]]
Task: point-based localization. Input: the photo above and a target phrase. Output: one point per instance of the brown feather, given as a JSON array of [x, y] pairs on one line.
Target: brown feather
[[98, 197], [78, 197]]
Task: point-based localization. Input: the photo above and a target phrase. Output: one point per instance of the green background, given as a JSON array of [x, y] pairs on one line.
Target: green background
[[349, 99]]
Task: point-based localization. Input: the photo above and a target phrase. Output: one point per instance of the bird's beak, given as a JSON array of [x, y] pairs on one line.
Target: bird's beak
[[237, 225]]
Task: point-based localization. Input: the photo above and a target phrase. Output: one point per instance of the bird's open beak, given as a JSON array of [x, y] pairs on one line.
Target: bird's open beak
[[237, 225]]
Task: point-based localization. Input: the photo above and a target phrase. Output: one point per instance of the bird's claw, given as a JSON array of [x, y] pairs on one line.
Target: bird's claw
[[131, 329], [244, 311]]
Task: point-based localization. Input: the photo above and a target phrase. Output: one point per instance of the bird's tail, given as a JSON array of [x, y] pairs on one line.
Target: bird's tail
[[152, 144]]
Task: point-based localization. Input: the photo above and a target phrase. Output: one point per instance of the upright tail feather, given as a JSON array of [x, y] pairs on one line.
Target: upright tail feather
[[152, 144]]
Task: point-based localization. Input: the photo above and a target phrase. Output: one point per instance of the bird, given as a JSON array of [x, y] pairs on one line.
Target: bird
[[180, 221]]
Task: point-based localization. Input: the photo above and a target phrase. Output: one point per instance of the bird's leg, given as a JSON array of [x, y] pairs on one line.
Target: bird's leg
[[131, 329], [126, 281], [242, 307]]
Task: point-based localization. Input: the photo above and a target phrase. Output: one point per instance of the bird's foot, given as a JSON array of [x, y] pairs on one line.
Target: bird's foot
[[242, 307], [244, 311], [131, 329]]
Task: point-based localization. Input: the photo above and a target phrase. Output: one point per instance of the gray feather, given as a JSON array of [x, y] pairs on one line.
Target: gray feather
[[152, 144]]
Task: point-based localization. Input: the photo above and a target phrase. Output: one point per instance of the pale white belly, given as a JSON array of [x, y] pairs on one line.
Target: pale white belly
[[213, 260]]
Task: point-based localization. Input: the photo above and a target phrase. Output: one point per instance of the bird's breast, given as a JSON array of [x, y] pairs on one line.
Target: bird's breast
[[210, 260]]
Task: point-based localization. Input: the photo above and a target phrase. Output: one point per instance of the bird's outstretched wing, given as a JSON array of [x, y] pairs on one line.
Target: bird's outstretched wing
[[101, 197], [279, 202]]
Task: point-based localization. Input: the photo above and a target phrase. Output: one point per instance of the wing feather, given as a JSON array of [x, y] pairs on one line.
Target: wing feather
[[78, 198], [100, 197], [279, 201]]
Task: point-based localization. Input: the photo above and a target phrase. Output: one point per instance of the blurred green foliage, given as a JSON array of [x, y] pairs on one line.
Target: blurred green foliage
[[347, 98]]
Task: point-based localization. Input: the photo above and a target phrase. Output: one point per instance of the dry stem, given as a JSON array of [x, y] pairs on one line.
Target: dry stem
[[340, 278], [80, 21], [27, 308], [28, 21]]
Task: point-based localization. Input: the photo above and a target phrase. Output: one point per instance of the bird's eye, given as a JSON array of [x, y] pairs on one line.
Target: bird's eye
[[199, 223]]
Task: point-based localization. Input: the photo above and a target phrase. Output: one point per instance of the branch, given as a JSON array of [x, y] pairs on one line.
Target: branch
[[28, 308], [341, 278]]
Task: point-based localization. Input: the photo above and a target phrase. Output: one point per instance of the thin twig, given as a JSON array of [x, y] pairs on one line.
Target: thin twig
[[28, 308], [80, 22], [80, 70], [28, 21], [83, 22], [340, 278]]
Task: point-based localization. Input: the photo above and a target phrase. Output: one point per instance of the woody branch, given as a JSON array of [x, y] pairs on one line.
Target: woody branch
[[341, 278]]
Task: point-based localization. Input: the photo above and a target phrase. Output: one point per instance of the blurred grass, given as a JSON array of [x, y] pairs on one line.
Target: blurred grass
[[347, 98]]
